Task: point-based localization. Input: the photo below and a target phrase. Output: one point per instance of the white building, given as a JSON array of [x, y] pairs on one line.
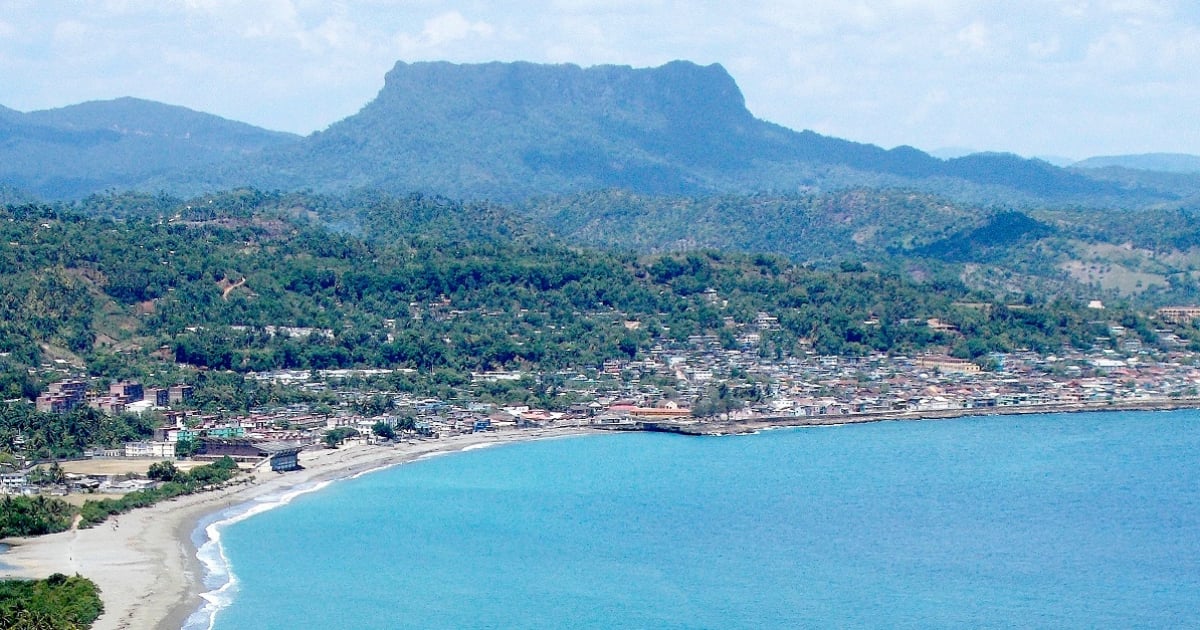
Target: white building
[[162, 450]]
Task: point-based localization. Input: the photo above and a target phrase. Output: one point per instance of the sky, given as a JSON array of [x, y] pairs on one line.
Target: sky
[[1060, 78]]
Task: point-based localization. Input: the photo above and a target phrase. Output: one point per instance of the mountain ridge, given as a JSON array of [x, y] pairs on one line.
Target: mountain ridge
[[1155, 162], [81, 149], [511, 130]]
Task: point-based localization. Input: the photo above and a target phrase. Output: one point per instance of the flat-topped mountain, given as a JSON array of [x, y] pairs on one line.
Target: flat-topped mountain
[[513, 129], [510, 131]]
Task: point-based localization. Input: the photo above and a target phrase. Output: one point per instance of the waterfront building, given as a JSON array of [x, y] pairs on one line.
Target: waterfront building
[[284, 456]]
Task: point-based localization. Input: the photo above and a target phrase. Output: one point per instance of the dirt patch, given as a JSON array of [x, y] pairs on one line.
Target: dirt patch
[[119, 465], [228, 288], [1113, 276]]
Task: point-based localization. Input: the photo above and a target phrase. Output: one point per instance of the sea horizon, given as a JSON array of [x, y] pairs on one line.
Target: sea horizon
[[904, 519]]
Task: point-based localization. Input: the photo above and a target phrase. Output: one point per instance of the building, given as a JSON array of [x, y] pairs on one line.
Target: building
[[239, 449], [284, 456], [75, 389], [160, 450], [1179, 314], [226, 432], [62, 396], [947, 364], [127, 391], [179, 394], [670, 409], [660, 412], [108, 404], [13, 483], [53, 403], [936, 324], [160, 395]]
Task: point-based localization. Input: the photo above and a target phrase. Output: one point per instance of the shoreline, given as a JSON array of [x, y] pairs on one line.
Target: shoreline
[[145, 562], [737, 426], [149, 572]]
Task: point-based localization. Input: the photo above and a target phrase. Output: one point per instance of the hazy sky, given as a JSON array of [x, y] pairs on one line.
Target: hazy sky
[[1068, 78]]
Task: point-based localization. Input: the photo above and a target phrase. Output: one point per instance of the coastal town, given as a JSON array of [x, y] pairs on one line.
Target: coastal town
[[701, 386], [473, 315]]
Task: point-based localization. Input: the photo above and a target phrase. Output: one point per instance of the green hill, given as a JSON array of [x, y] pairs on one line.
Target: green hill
[[429, 284], [116, 145]]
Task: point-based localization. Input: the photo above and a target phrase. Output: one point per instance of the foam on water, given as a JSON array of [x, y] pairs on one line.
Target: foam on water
[[218, 576], [218, 570], [1066, 521]]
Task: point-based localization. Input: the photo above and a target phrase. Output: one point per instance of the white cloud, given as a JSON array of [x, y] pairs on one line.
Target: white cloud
[[443, 29]]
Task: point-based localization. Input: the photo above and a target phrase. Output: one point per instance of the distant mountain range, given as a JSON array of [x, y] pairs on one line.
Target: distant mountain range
[[118, 144], [1160, 162], [511, 131]]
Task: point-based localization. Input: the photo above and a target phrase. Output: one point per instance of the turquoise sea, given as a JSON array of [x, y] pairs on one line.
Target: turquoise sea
[[1051, 521]]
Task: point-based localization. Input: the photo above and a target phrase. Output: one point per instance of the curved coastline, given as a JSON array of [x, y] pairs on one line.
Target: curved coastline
[[200, 608], [145, 562], [147, 565], [188, 617]]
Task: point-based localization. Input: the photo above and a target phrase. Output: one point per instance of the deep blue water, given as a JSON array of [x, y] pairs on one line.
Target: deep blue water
[[1056, 521]]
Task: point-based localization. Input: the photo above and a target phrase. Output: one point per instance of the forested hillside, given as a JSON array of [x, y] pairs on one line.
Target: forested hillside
[[104, 145], [1149, 256], [205, 290], [429, 283]]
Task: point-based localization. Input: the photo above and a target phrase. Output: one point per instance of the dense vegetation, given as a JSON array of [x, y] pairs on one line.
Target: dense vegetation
[[58, 602], [34, 516], [252, 281], [48, 435], [175, 483], [1146, 256]]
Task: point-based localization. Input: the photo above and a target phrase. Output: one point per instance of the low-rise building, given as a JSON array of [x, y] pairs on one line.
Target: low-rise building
[[156, 449]]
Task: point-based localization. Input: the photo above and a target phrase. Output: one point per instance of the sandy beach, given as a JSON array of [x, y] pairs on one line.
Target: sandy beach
[[144, 561]]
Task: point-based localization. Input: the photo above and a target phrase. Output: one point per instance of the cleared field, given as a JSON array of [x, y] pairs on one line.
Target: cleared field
[[1113, 276], [78, 498], [119, 466]]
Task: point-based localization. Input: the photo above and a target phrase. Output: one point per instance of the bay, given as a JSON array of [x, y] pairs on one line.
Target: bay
[[1071, 520]]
